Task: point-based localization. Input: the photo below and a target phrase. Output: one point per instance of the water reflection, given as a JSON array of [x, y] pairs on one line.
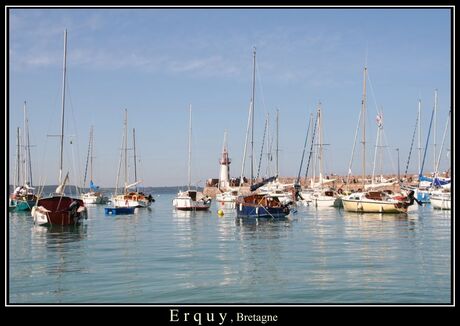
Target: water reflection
[[261, 249], [57, 236], [166, 255]]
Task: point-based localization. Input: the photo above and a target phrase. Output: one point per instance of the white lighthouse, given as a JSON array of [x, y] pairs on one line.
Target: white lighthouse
[[224, 162]]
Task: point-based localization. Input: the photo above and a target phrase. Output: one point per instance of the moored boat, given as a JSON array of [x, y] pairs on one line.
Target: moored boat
[[58, 208], [191, 200], [130, 198], [374, 202], [260, 206], [441, 199], [119, 210]]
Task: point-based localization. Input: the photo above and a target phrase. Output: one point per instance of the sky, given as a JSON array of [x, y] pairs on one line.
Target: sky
[[155, 62]]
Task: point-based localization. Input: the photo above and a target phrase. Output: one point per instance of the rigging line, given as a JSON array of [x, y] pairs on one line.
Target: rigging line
[[87, 158], [119, 162], [245, 147], [74, 124], [73, 165], [268, 171], [411, 145], [442, 145], [353, 149], [262, 148], [388, 150], [266, 209], [311, 147], [304, 147], [373, 94], [259, 79], [426, 145]]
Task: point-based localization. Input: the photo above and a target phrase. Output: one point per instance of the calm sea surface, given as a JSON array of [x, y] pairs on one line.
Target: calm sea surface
[[162, 256]]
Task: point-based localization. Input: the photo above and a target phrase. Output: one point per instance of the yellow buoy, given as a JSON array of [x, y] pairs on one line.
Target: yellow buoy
[[220, 212]]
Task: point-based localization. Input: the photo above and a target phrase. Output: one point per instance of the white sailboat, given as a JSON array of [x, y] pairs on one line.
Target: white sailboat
[[371, 201], [379, 182], [23, 197], [191, 200], [441, 199], [93, 196], [275, 188], [323, 196], [129, 198]]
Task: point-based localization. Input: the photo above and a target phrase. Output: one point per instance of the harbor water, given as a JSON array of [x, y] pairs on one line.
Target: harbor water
[[162, 256]]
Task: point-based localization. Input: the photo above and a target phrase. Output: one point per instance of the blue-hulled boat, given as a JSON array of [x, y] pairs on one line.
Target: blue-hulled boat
[[260, 206], [119, 210]]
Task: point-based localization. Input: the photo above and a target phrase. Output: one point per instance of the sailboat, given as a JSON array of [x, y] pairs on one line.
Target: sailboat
[[440, 196], [379, 182], [373, 201], [23, 197], [423, 189], [59, 209], [275, 188], [93, 196], [323, 196], [441, 199], [256, 205], [130, 198], [191, 200]]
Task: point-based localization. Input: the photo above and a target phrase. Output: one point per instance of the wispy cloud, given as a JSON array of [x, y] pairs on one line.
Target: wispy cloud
[[96, 43]]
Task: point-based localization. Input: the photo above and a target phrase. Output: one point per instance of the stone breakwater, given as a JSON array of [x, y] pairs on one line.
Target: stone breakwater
[[339, 182]]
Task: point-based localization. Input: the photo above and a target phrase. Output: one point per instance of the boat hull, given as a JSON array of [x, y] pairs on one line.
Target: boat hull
[[119, 210], [188, 204], [59, 210], [91, 198], [131, 200], [24, 205], [326, 201], [441, 202], [371, 206], [260, 206], [251, 211], [191, 200]]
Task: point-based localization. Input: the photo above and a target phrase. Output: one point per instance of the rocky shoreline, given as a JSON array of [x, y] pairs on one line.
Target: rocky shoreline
[[338, 183]]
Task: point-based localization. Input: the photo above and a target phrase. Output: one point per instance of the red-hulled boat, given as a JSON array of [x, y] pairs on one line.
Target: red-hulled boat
[[60, 209]]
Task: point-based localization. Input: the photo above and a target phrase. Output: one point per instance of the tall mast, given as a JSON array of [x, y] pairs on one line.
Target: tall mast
[[434, 128], [29, 158], [378, 145], [363, 108], [126, 149], [134, 149], [426, 145], [63, 103], [419, 136], [277, 143], [320, 149], [190, 148], [245, 146], [88, 156], [18, 158], [436, 171], [91, 154], [297, 182], [252, 122], [25, 146]]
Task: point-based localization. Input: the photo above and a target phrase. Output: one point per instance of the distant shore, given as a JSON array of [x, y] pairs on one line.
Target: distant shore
[[340, 182]]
